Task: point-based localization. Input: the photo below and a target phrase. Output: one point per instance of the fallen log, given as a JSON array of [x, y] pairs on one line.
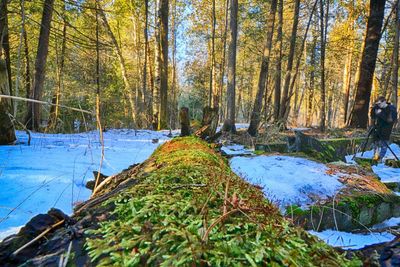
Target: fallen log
[[182, 207]]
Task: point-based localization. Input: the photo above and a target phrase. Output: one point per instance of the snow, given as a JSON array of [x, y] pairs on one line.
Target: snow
[[287, 180], [385, 173], [352, 241], [235, 150], [392, 222], [53, 171]]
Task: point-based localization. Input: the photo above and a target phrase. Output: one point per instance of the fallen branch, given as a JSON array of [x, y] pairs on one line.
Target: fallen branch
[[45, 103]]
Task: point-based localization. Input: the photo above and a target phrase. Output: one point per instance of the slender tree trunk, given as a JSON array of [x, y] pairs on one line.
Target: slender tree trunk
[[395, 72], [359, 115], [296, 72], [278, 72], [285, 97], [157, 62], [146, 55], [128, 88], [164, 10], [312, 83], [222, 70], [174, 104], [256, 114], [229, 124], [55, 110], [322, 44], [27, 66], [34, 112], [213, 96], [7, 132], [5, 42]]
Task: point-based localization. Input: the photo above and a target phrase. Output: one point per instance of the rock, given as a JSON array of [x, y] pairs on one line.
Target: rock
[[27, 233]]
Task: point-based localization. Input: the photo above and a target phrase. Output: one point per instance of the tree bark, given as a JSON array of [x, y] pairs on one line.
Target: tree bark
[[395, 71], [278, 72], [5, 40], [146, 55], [323, 29], [7, 133], [164, 10], [256, 114], [312, 82], [33, 114], [184, 119], [229, 123], [285, 97], [359, 115], [213, 96]]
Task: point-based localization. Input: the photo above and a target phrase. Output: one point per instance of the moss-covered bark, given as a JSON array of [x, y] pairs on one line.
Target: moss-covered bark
[[188, 208]]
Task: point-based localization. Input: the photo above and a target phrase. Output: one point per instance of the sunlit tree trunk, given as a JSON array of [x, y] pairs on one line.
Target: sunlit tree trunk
[[164, 10], [128, 88], [229, 123], [213, 96], [256, 114], [146, 56], [312, 83], [34, 112], [323, 29], [359, 115], [285, 96], [278, 72]]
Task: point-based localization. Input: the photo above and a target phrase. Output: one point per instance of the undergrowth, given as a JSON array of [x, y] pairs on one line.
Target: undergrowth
[[189, 209]]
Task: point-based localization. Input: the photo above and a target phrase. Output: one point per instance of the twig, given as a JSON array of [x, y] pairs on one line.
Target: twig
[[218, 220], [38, 237]]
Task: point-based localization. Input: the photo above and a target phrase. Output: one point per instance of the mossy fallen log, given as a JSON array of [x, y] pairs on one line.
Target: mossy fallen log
[[184, 208]]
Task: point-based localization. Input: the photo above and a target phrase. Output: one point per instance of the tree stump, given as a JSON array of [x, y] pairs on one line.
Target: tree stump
[[208, 124], [184, 119], [7, 132]]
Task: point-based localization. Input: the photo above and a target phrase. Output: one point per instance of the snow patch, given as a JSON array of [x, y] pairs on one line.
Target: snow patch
[[236, 150], [350, 240], [392, 222], [53, 171], [287, 180], [385, 173]]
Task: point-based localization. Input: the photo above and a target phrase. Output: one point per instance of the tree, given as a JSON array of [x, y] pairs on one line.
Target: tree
[[359, 114], [323, 29], [278, 72], [395, 71], [255, 115], [33, 114], [164, 10], [229, 123], [5, 42], [285, 96]]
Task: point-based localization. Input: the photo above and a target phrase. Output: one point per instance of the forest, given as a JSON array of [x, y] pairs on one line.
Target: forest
[[218, 132]]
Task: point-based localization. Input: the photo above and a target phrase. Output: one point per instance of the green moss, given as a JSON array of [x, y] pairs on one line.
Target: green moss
[[164, 219]]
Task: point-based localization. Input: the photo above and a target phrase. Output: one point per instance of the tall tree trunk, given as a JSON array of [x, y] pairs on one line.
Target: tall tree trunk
[[359, 115], [323, 16], [285, 96], [127, 86], [296, 72], [27, 66], [278, 72], [174, 89], [5, 42], [55, 110], [146, 55], [7, 133], [229, 123], [34, 112], [312, 83], [157, 61], [222, 69], [164, 10], [213, 96], [395, 72], [256, 114]]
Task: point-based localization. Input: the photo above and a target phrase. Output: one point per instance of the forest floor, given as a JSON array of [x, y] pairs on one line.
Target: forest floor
[[53, 170]]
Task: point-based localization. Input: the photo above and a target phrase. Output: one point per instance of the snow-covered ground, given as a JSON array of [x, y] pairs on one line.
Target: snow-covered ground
[[287, 180], [236, 150], [386, 174], [52, 172], [352, 241]]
